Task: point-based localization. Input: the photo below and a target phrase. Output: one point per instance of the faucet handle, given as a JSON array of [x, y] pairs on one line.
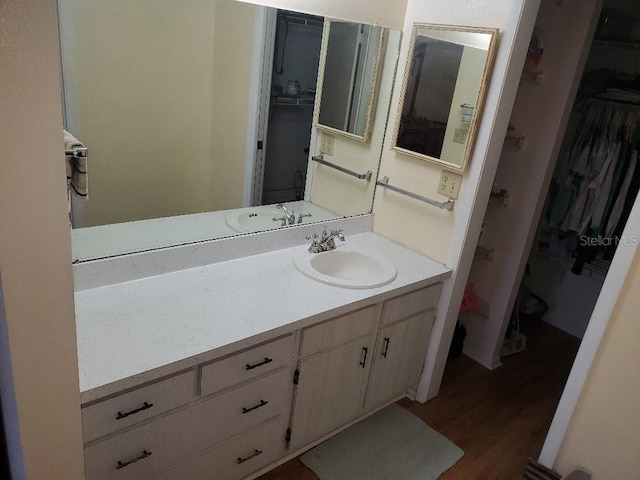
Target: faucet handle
[[303, 215], [338, 233]]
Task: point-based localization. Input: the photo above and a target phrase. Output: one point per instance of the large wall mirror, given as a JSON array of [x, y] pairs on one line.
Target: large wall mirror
[[198, 118], [350, 67], [443, 92]]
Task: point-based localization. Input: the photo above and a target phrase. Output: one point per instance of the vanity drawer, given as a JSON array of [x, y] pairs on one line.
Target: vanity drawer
[[237, 458], [243, 366], [130, 408], [339, 330], [160, 444], [411, 303]]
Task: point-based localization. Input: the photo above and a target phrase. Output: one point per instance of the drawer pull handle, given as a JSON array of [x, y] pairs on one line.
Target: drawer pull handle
[[386, 347], [259, 364], [145, 406], [145, 454], [365, 350], [255, 453], [261, 404]]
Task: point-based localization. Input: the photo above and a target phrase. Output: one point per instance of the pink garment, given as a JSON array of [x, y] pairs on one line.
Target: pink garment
[[470, 302]]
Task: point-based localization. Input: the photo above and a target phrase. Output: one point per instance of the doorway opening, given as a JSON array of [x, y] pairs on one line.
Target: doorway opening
[[292, 47], [596, 178], [567, 250]]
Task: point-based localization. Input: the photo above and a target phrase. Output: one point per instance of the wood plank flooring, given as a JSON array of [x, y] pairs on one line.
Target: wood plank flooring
[[499, 418]]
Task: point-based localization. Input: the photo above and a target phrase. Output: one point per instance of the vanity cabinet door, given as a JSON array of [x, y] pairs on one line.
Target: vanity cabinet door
[[330, 390], [399, 357]]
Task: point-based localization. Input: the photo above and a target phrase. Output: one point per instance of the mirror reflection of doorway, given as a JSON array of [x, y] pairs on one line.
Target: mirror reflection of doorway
[[297, 39]]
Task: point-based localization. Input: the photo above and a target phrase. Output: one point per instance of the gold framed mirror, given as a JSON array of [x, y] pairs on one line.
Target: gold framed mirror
[[350, 65], [443, 91]]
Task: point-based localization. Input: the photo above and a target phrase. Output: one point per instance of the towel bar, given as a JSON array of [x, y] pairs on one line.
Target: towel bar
[[362, 176], [448, 205], [76, 152]]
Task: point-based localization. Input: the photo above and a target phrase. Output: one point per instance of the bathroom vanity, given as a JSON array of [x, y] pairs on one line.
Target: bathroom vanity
[[225, 369]]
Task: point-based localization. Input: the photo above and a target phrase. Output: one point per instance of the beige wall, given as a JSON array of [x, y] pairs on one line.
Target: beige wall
[[158, 91], [233, 43], [39, 388], [419, 226], [340, 193], [604, 431]]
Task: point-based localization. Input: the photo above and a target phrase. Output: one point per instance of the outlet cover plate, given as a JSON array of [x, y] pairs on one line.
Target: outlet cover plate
[[449, 184], [460, 135], [326, 143]]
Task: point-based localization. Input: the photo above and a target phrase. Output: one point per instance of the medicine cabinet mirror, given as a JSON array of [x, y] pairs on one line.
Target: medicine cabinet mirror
[[350, 67], [443, 91]]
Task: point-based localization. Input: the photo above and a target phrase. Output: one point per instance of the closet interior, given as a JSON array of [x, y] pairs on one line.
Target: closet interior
[[595, 180], [561, 197]]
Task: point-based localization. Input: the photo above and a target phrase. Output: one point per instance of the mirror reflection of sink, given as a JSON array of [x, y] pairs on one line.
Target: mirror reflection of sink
[[254, 219], [349, 266]]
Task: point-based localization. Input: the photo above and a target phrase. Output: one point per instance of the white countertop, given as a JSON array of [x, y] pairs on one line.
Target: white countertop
[[157, 325]]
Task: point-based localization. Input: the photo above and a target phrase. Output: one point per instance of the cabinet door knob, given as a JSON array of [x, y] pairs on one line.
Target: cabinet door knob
[[364, 356], [386, 347]]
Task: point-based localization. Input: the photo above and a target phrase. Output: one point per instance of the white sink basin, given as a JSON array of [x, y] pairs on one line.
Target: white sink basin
[[254, 219], [349, 266]]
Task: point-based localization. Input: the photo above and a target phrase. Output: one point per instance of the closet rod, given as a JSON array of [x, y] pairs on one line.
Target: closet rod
[[619, 104], [448, 205], [76, 152], [362, 176]]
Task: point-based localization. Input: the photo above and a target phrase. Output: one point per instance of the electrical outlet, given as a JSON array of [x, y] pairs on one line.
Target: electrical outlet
[[460, 135], [449, 184], [326, 143]]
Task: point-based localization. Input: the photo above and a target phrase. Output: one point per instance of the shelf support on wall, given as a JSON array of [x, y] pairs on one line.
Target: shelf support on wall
[[533, 76], [515, 141]]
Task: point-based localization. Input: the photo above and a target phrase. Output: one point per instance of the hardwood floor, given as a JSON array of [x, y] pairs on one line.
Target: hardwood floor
[[499, 418]]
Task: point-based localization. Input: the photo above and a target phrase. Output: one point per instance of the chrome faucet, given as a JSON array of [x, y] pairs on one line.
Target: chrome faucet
[[290, 217], [326, 242]]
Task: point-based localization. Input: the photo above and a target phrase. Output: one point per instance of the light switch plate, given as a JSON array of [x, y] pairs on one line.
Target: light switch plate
[[449, 184], [326, 143]]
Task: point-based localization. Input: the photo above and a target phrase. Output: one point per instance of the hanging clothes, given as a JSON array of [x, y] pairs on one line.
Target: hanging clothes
[[598, 179]]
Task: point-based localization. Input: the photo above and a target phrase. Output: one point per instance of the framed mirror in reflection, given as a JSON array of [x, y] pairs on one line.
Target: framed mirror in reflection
[[350, 68], [443, 92], [198, 121]]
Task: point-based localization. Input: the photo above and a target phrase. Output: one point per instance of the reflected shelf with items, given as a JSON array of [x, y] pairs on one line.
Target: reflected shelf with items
[[293, 100]]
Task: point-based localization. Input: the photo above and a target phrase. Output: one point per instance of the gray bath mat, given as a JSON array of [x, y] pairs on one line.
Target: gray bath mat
[[392, 444]]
